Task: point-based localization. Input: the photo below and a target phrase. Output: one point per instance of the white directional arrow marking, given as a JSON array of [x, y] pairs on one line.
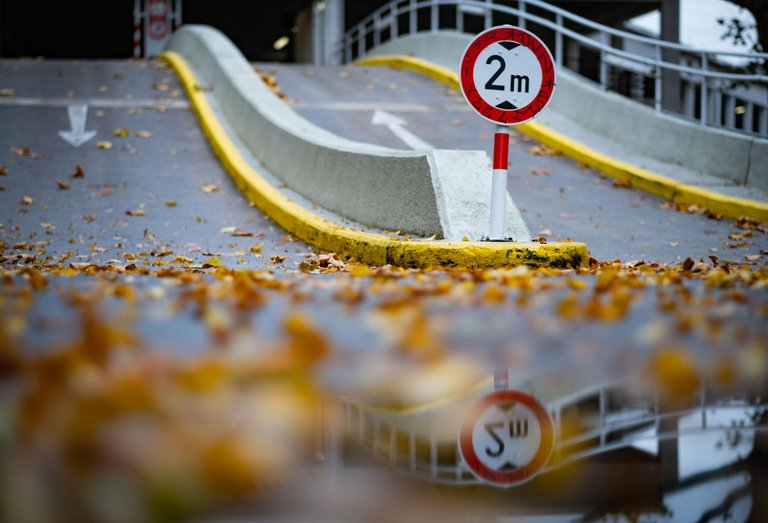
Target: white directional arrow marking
[[397, 126], [78, 115]]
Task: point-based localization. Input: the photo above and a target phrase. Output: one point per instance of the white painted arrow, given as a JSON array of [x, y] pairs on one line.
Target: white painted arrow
[[78, 114], [397, 126]]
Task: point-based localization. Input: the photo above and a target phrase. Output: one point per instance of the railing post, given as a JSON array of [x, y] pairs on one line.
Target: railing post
[[348, 49], [559, 40], [360, 41], [488, 19], [704, 94], [459, 18], [730, 111], [763, 125], [413, 20], [717, 110], [749, 115], [658, 86], [605, 41], [434, 17], [521, 5], [376, 31], [393, 22]]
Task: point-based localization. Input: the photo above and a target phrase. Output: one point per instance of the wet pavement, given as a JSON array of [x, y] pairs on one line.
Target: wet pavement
[[146, 378]]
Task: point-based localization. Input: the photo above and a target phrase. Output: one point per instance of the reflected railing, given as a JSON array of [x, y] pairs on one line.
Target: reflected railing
[[594, 421]]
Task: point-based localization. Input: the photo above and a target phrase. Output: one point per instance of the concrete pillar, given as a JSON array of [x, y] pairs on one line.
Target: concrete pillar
[[327, 31], [670, 31]]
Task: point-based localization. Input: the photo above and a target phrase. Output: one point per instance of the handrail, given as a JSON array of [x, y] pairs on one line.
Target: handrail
[[710, 81]]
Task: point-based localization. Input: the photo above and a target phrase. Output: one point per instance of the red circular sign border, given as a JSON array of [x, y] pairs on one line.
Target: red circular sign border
[[467, 83], [522, 474]]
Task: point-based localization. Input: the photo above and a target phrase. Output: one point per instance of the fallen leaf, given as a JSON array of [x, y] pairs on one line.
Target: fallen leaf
[[241, 233], [62, 185], [255, 249], [210, 188], [79, 172], [540, 150], [213, 262], [25, 151], [753, 257], [277, 259], [104, 145], [622, 184], [3, 188], [170, 203], [27, 200], [136, 212], [121, 132], [539, 171], [142, 134], [674, 244], [3, 170], [5, 91]]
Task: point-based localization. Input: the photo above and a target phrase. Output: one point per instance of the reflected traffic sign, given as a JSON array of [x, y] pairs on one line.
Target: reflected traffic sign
[[507, 438]]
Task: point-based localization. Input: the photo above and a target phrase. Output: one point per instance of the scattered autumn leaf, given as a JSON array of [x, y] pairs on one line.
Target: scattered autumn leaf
[[135, 212], [210, 188], [539, 171], [142, 134], [121, 132], [27, 200], [104, 145], [62, 185], [78, 173], [170, 203]]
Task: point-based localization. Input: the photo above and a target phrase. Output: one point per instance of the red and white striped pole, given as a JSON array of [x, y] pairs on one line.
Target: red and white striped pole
[[499, 181]]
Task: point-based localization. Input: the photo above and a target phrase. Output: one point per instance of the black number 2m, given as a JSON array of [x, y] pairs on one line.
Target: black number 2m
[[502, 65], [517, 83]]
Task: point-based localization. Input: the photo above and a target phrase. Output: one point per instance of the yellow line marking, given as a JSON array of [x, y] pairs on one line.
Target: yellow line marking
[[667, 188]]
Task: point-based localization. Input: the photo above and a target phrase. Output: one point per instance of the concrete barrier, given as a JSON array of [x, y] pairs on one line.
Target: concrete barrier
[[724, 154], [443, 193]]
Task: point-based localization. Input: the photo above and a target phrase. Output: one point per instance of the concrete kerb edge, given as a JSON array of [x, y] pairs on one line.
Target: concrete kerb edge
[[662, 186], [368, 248]]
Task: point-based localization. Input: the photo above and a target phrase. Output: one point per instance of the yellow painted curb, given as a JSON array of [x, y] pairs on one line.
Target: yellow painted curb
[[667, 188], [373, 249]]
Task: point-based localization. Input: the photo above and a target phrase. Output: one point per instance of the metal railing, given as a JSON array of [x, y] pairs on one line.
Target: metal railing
[[709, 91], [606, 425]]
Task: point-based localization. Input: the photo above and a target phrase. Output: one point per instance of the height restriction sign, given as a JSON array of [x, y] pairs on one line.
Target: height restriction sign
[[507, 75]]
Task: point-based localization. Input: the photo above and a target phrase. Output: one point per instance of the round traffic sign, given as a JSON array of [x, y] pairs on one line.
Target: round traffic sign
[[507, 438], [507, 75]]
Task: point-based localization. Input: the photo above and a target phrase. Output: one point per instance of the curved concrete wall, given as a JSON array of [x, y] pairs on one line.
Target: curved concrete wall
[[413, 192], [715, 152]]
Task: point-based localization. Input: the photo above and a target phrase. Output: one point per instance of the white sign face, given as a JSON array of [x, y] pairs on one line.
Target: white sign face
[[507, 75], [506, 438]]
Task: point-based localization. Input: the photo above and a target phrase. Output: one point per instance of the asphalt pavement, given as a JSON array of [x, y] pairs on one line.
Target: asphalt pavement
[[557, 197], [147, 182]]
